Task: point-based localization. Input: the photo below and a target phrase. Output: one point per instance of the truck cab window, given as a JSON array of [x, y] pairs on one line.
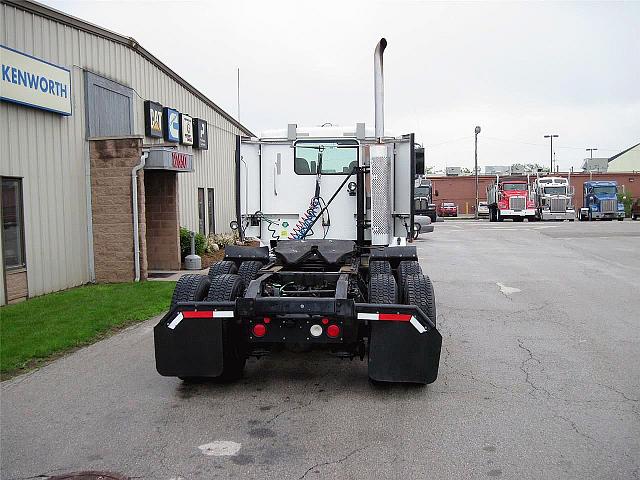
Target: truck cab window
[[334, 157]]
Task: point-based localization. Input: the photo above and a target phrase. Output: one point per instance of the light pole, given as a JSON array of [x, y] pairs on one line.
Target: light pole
[[551, 151], [476, 172], [590, 150]]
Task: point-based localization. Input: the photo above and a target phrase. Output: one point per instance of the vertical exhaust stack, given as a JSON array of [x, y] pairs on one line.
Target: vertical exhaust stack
[[378, 86]]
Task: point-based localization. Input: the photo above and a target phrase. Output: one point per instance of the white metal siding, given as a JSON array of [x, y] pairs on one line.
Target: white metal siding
[[49, 151]]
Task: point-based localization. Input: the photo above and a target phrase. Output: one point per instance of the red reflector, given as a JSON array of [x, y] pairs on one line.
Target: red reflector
[[200, 314], [333, 331], [397, 317], [266, 320], [325, 321], [259, 330]]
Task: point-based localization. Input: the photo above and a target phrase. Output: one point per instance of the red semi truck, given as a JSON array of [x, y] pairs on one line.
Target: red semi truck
[[510, 197]]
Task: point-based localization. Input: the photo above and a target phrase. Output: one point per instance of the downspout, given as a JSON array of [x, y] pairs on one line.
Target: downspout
[[134, 204], [378, 84]]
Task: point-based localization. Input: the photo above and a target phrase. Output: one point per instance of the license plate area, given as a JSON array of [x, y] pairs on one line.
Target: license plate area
[[296, 329]]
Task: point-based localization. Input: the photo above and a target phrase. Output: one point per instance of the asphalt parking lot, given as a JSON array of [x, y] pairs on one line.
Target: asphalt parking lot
[[539, 378]]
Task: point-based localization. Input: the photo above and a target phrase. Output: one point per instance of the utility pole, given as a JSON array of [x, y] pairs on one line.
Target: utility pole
[[551, 151], [590, 150], [238, 93], [476, 172]]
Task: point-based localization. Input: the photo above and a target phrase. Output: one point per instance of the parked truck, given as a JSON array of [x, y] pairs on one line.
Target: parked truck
[[600, 200], [423, 198], [509, 197], [553, 198], [333, 210]]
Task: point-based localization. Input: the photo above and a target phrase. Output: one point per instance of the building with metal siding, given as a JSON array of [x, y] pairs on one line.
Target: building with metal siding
[[49, 153]]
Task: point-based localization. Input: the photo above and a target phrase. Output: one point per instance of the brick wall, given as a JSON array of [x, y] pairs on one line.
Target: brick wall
[[17, 287], [462, 190], [163, 234], [111, 194]]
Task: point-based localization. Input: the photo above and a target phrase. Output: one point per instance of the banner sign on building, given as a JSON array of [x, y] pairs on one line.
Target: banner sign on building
[[152, 119], [164, 158], [171, 119], [186, 129], [30, 81], [201, 139]]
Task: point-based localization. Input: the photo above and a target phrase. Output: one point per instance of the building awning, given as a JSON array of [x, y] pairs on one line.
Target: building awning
[[165, 158]]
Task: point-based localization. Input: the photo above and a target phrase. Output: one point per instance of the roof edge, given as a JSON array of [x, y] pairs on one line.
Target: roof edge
[[622, 152], [75, 22]]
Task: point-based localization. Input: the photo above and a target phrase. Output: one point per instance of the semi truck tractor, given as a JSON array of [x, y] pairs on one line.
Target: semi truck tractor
[[553, 198], [423, 198], [509, 197], [333, 210], [600, 200]]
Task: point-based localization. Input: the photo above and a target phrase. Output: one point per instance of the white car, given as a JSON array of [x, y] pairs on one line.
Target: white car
[[483, 209]]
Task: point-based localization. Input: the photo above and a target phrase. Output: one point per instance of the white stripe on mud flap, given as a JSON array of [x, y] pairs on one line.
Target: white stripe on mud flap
[[368, 316], [222, 314], [174, 323], [418, 325]]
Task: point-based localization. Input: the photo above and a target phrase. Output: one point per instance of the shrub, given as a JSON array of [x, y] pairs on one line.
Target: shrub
[[185, 243], [224, 239], [627, 201]]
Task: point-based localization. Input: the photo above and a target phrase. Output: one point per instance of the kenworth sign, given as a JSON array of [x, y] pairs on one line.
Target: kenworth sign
[[33, 82]]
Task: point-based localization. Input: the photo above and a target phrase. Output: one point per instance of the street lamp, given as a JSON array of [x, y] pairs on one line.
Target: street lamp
[[476, 172], [590, 150], [551, 151]]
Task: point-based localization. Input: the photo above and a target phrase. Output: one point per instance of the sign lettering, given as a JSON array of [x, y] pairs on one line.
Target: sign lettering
[[30, 81], [179, 161], [152, 119], [186, 129]]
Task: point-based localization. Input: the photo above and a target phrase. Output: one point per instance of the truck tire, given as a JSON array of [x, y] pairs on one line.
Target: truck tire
[[247, 271], [190, 288], [226, 288], [377, 267], [383, 288], [418, 291], [499, 218], [222, 267], [405, 268]]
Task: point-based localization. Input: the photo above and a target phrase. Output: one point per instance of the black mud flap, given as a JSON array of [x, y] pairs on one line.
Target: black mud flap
[[404, 351], [188, 345]]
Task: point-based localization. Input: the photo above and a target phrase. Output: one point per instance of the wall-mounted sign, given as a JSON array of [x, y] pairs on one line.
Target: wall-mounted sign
[[186, 129], [152, 119], [164, 158], [171, 119], [34, 82], [201, 138]]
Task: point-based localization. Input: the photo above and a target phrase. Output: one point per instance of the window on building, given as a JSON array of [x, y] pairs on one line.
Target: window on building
[[12, 223], [201, 211], [109, 109], [211, 210]]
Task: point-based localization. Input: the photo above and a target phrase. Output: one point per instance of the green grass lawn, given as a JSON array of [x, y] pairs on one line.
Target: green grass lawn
[[46, 326]]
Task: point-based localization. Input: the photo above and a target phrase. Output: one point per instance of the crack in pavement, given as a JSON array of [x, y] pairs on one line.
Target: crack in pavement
[[526, 370], [334, 462], [575, 428], [297, 407], [622, 394]]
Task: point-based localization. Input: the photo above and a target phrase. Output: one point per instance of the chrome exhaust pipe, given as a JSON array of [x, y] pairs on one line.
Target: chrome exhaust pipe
[[378, 86]]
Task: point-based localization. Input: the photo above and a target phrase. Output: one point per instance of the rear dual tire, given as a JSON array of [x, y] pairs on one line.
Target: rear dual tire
[[224, 287]]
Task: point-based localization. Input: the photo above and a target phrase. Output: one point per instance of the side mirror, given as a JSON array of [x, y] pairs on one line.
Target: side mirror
[[437, 193], [419, 161]]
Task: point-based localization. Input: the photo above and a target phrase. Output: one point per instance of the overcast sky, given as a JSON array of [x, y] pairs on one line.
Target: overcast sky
[[519, 70]]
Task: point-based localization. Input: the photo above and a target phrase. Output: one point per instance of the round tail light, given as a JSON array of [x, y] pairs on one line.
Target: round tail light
[[315, 330], [259, 330], [333, 331]]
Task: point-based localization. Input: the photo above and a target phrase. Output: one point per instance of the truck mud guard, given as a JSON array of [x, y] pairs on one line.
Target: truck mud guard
[[188, 339], [404, 344]]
